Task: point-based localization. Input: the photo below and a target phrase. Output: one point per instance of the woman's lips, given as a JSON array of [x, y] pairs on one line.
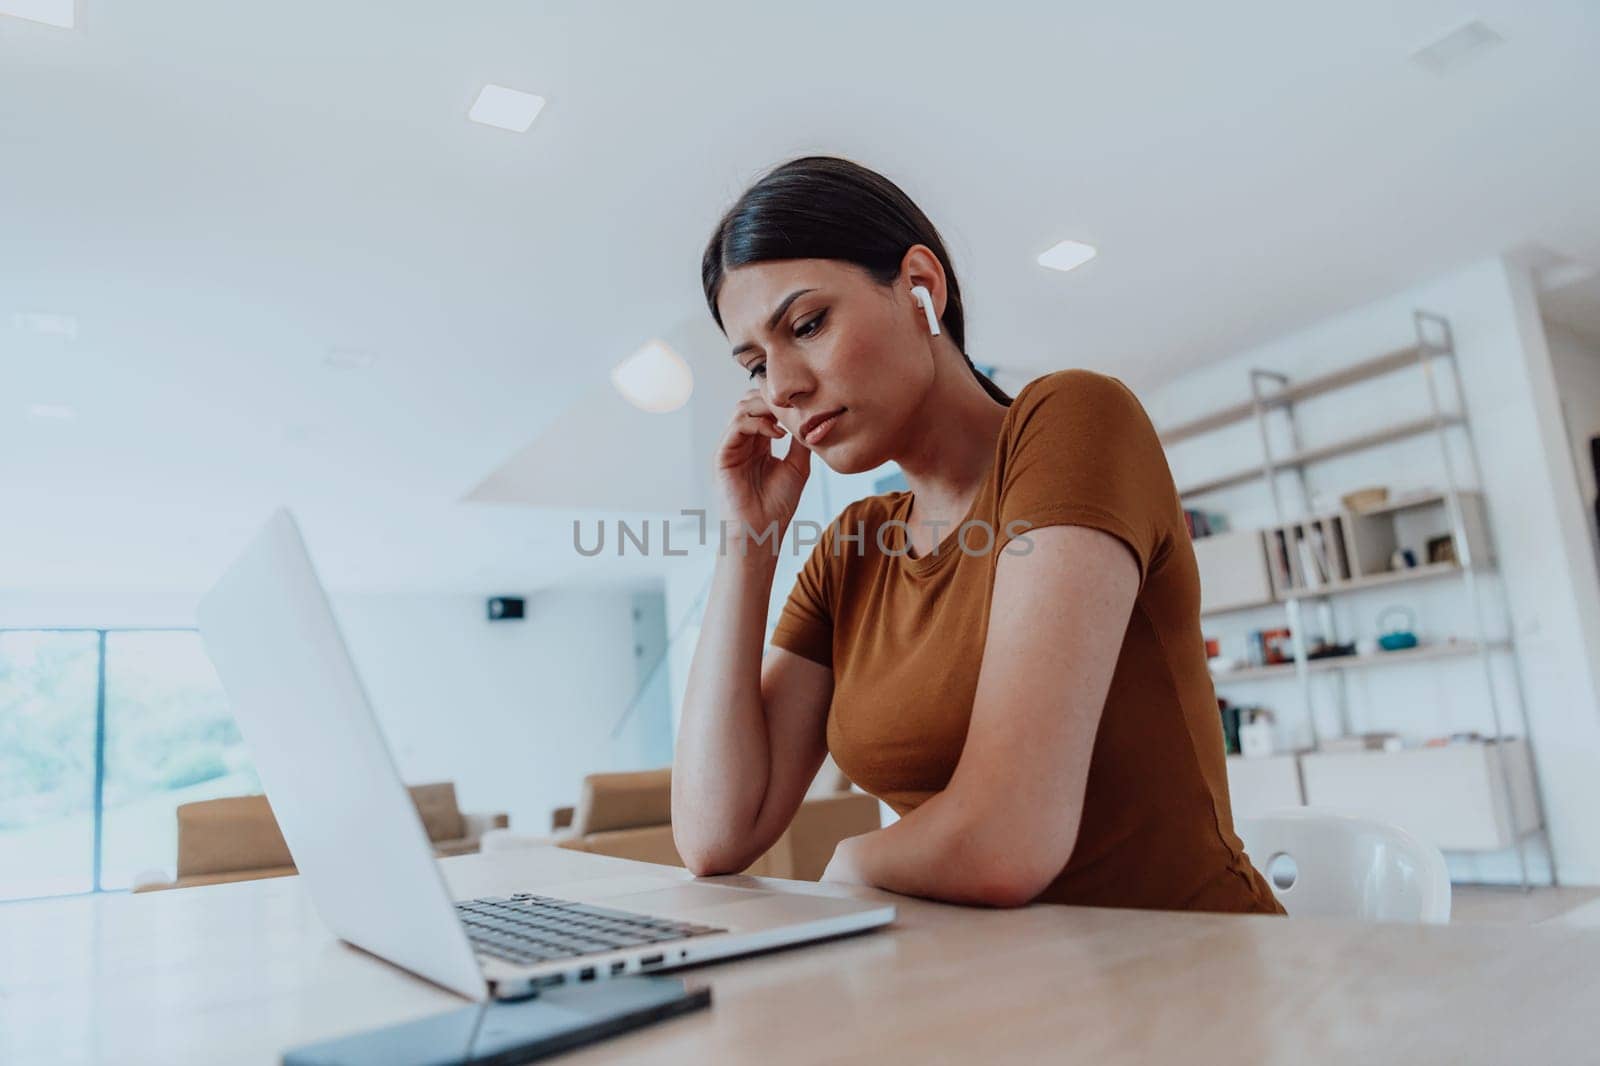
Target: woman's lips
[[820, 430]]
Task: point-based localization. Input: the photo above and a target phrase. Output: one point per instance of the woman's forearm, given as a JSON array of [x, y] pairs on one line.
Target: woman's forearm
[[722, 760], [944, 851]]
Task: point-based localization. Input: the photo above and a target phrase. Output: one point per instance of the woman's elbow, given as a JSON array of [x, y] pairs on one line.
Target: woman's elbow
[[706, 859], [1010, 880], [1004, 891], [706, 864]]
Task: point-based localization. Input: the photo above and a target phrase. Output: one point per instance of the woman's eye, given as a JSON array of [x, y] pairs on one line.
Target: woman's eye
[[810, 325], [759, 368]]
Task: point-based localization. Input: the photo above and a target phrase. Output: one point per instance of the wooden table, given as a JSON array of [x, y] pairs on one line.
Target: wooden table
[[236, 973]]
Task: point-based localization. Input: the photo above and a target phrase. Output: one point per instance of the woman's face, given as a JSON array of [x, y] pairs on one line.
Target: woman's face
[[821, 336]]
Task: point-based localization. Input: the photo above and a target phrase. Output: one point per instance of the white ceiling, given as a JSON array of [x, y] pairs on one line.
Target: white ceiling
[[221, 193]]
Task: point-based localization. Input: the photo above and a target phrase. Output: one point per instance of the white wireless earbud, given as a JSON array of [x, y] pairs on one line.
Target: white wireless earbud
[[922, 296]]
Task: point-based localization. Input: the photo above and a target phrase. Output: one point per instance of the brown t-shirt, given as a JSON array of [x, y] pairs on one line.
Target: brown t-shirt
[[904, 637]]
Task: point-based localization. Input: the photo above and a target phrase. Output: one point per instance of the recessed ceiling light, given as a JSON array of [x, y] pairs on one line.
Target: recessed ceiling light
[[49, 325], [1066, 255], [51, 412], [505, 108], [655, 378], [1457, 47], [61, 13], [348, 359]]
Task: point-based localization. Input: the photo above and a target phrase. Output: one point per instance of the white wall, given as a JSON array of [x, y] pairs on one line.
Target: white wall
[[1576, 361], [112, 608], [1546, 570], [514, 712]]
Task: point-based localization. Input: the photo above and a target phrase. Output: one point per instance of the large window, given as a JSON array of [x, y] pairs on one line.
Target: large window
[[103, 733], [48, 683]]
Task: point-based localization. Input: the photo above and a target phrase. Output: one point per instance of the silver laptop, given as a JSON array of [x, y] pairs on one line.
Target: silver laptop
[[361, 849]]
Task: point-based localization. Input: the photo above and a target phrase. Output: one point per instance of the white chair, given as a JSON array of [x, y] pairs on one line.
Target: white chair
[[1325, 864]]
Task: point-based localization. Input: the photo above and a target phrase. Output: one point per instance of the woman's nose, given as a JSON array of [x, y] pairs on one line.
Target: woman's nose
[[787, 384]]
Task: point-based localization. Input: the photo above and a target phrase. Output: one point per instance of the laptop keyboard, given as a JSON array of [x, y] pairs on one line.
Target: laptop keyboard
[[527, 929]]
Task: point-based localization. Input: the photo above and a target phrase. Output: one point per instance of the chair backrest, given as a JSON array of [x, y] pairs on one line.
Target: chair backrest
[[1329, 864], [441, 814], [226, 835], [238, 833], [623, 801]]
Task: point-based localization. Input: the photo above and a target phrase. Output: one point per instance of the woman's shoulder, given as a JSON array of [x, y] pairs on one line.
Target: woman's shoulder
[[1077, 401], [1072, 386]]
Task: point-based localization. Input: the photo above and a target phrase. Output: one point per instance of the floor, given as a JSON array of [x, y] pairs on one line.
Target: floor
[[1482, 903]]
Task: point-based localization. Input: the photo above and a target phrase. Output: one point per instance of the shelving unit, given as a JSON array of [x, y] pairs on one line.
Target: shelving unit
[[1440, 650], [1421, 572], [1305, 458], [1345, 550], [1304, 390], [1315, 556]]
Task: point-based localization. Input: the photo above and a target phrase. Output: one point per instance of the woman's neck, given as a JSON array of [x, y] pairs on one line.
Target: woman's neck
[[952, 448]]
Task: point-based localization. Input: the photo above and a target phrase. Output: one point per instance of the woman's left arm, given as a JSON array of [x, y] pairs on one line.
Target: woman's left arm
[[1005, 826]]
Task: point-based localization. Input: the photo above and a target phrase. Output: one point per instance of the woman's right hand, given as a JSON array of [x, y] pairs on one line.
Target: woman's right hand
[[757, 488]]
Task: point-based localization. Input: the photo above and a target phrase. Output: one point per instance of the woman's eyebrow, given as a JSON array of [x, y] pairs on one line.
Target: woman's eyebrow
[[772, 321]]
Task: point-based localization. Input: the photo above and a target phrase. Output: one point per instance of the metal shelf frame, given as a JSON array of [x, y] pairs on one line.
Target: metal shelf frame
[[1272, 391], [1329, 664]]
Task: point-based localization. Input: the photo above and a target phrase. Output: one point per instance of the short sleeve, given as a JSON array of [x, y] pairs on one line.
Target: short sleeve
[[805, 625], [1082, 451]]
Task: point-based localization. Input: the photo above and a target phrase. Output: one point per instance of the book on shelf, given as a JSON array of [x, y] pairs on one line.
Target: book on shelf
[[1283, 574], [1314, 575], [1335, 552], [1319, 550]]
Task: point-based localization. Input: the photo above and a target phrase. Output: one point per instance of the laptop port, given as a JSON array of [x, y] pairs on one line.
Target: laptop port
[[586, 974], [618, 966], [651, 960]]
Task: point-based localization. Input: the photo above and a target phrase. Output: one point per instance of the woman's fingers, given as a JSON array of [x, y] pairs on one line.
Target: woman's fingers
[[736, 444], [753, 403], [750, 422]]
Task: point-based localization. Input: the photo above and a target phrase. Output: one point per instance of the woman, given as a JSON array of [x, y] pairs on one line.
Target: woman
[[1008, 654]]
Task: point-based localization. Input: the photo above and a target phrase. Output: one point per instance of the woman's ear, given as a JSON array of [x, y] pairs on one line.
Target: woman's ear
[[920, 266]]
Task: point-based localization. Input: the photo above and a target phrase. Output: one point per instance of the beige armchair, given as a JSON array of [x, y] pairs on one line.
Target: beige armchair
[[629, 815], [237, 838]]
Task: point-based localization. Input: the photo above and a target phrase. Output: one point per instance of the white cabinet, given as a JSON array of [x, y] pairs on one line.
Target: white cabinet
[[1449, 796], [1256, 786]]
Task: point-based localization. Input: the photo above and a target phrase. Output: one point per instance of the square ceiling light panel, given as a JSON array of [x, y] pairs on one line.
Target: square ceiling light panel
[[1067, 255], [61, 13], [507, 109]]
